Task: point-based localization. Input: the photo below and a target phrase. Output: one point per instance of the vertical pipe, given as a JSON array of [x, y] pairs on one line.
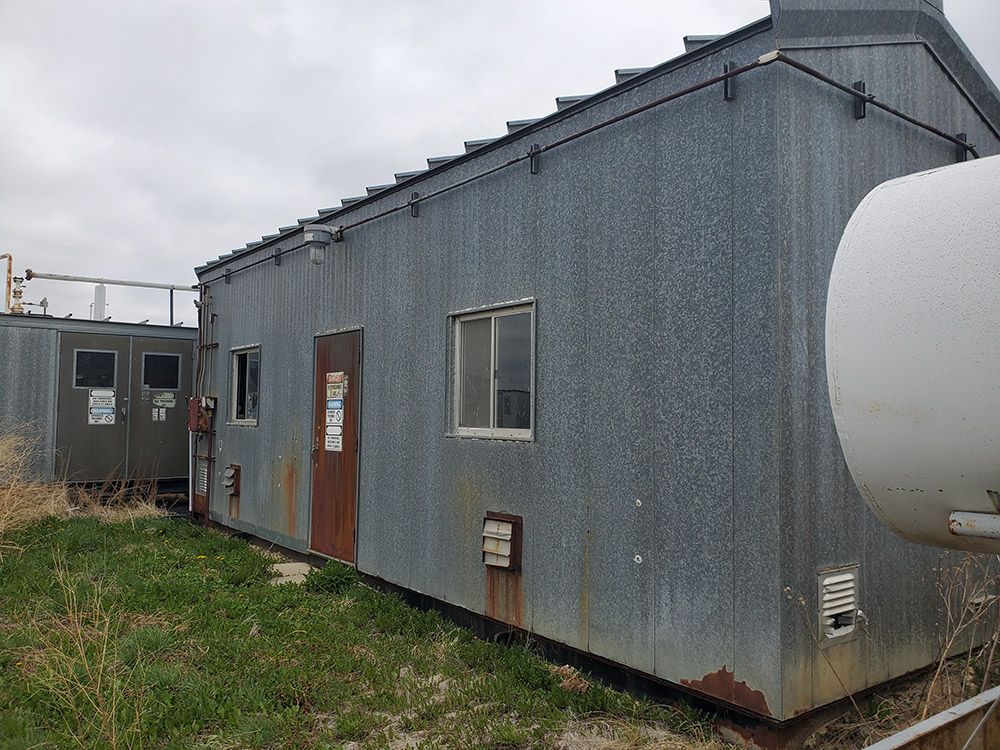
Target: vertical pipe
[[171, 307], [100, 298], [10, 273]]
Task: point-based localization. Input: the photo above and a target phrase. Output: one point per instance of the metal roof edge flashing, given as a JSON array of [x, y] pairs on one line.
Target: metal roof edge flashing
[[668, 66]]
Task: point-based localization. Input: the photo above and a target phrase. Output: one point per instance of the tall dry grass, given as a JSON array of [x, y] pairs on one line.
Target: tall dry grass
[[84, 667], [24, 499]]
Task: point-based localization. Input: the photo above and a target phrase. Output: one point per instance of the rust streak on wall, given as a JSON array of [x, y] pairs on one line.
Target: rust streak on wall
[[504, 597], [289, 487], [722, 684]]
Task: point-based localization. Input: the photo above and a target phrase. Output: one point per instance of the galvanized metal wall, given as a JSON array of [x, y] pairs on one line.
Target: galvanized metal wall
[[681, 408], [28, 388], [29, 374], [828, 161], [655, 390]]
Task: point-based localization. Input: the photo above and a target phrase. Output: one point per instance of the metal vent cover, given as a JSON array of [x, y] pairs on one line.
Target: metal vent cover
[[201, 478], [838, 602]]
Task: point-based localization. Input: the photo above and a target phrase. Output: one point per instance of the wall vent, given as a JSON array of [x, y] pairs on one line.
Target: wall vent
[[201, 478], [838, 602], [502, 541]]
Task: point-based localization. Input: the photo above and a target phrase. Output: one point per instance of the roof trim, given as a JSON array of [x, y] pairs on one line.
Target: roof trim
[[669, 66]]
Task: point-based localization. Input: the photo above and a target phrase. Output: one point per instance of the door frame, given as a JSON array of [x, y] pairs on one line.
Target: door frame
[[312, 427]]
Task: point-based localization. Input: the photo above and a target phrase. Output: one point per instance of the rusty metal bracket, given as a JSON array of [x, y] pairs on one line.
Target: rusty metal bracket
[[963, 151], [338, 234], [533, 153], [860, 105]]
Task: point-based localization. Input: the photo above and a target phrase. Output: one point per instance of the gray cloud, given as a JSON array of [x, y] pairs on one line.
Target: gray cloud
[[141, 139]]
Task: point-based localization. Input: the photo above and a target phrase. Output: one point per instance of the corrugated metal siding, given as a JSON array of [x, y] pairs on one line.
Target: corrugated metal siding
[[679, 363], [29, 346], [28, 388], [828, 161], [626, 241]]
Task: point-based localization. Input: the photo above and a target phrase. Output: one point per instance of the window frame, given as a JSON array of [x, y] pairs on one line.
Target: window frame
[[142, 381], [493, 312], [234, 355], [114, 381]]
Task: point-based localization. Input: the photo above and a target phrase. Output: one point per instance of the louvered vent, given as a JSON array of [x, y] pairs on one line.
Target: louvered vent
[[838, 607], [201, 478], [502, 541]]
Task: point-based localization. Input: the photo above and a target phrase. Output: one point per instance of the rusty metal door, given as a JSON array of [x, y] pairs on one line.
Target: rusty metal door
[[336, 432]]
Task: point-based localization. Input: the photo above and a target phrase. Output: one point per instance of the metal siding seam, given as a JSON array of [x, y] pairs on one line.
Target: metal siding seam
[[732, 374]]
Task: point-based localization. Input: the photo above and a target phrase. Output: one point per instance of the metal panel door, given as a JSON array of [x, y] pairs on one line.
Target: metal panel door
[[157, 421], [336, 429], [91, 418]]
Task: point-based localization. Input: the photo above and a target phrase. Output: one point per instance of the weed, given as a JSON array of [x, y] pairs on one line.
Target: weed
[[154, 632], [332, 578]]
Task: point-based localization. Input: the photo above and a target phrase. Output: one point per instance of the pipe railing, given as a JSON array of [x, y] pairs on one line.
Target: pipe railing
[[193, 289]]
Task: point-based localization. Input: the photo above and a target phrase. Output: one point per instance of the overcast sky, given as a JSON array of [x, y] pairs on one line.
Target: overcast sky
[[139, 139]]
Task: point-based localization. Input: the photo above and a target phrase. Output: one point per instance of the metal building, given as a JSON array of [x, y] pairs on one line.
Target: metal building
[[573, 379], [107, 400]]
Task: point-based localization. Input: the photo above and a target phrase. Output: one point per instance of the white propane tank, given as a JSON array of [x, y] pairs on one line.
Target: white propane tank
[[913, 353]]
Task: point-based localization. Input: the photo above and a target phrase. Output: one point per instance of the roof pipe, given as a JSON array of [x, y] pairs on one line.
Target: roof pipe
[[99, 290], [29, 275], [10, 272]]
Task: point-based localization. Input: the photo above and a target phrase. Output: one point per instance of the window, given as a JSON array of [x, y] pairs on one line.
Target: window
[[161, 371], [94, 369], [246, 385], [494, 373]]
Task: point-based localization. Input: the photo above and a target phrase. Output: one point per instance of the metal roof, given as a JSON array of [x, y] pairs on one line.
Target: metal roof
[[935, 33], [85, 325]]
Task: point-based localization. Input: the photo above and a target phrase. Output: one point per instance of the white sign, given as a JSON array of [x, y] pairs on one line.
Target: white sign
[[334, 443], [159, 415], [101, 407], [334, 416], [167, 400]]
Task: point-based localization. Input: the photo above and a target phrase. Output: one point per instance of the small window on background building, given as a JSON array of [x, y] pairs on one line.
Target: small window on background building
[[161, 371], [494, 373], [94, 369], [246, 385]]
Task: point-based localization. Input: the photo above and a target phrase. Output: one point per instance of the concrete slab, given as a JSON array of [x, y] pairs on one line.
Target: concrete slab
[[290, 572]]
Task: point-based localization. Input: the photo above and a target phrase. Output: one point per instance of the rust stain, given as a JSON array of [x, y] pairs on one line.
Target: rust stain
[[757, 737], [722, 684], [504, 597], [234, 506], [583, 622], [289, 488]]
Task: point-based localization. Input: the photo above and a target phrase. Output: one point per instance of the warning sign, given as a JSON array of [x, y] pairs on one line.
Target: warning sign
[[334, 385], [165, 400], [101, 407]]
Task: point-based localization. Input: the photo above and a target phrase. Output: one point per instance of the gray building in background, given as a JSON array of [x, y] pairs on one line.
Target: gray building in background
[[573, 379], [105, 401]]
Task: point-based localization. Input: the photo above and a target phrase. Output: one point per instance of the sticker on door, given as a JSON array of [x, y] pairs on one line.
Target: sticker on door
[[101, 407]]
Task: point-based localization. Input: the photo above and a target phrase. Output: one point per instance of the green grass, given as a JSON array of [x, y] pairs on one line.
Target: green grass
[[162, 634]]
